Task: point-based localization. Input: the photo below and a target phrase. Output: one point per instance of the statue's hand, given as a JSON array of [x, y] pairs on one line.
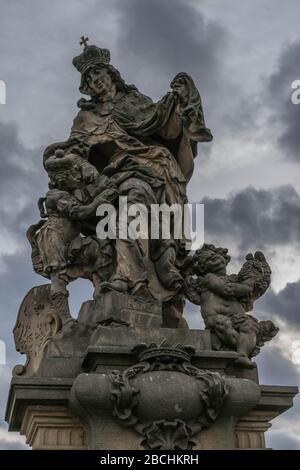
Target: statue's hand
[[108, 195], [80, 212], [180, 90]]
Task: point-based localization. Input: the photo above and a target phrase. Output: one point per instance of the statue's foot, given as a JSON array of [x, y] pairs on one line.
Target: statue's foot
[[244, 361]]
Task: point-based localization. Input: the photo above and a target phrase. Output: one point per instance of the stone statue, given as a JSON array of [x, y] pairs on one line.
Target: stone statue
[[123, 144], [128, 373], [147, 150], [226, 299]]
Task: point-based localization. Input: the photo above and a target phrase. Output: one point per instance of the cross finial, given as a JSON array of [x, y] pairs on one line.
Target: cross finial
[[83, 41]]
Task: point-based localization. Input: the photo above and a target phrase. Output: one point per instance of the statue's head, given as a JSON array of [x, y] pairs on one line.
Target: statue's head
[[64, 171], [267, 330], [210, 259], [98, 76]]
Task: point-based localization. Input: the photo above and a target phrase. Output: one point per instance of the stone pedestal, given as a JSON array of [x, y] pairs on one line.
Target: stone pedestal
[[47, 425], [134, 388]]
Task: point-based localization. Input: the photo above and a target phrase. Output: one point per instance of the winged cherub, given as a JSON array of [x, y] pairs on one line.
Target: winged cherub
[[225, 300]]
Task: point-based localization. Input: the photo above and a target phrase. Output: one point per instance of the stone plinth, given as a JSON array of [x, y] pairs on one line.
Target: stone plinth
[[129, 394], [49, 424], [114, 307]]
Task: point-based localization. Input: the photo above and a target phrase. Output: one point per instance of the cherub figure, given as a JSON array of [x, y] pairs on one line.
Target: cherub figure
[[60, 251], [225, 299]]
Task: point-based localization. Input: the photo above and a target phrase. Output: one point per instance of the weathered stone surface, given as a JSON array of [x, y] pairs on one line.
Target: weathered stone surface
[[226, 299], [128, 338], [92, 392], [165, 399], [53, 428], [115, 307], [33, 391], [121, 144], [113, 347], [128, 373], [37, 322]]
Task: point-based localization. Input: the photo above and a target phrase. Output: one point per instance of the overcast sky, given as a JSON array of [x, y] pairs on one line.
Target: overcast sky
[[243, 56]]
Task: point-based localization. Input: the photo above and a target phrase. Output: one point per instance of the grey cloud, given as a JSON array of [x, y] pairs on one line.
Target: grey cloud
[[275, 369], [282, 441], [252, 220], [193, 316], [255, 218], [22, 181], [150, 41], [161, 38], [6, 444], [279, 92], [285, 304], [11, 441]]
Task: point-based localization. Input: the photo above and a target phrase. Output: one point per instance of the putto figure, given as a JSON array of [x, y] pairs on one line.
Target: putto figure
[[225, 300]]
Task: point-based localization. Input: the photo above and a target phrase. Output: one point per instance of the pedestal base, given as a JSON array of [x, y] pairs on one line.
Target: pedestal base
[[116, 380], [49, 424], [132, 396]]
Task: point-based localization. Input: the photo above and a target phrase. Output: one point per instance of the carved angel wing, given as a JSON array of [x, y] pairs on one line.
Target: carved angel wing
[[256, 271]]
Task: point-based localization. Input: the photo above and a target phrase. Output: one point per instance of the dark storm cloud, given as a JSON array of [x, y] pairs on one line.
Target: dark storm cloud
[[285, 304], [153, 40], [286, 114], [159, 38], [11, 150], [255, 218], [22, 181], [163, 38]]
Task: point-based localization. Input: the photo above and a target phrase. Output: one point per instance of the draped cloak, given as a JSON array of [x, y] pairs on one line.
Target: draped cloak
[[132, 121], [147, 149]]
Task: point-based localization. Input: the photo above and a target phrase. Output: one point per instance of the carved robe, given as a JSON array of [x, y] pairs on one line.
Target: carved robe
[[147, 149]]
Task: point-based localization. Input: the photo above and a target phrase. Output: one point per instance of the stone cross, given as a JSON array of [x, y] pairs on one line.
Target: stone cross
[[83, 41]]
